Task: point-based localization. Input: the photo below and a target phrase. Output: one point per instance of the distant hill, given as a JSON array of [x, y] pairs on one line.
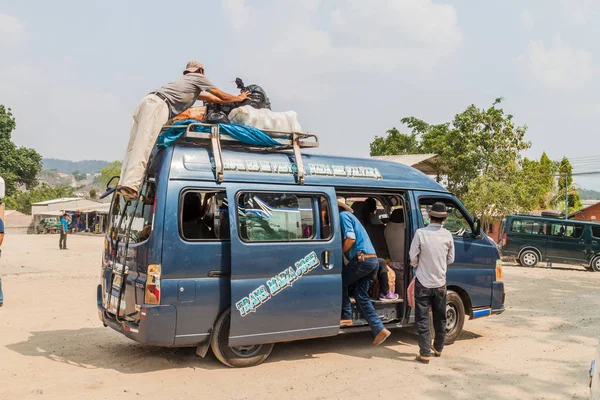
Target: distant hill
[[68, 167], [587, 194]]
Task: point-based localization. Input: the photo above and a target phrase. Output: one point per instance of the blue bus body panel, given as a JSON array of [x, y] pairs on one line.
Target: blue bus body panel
[[194, 163]]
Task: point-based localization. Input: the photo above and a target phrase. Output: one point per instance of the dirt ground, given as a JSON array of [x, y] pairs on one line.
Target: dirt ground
[[53, 346]]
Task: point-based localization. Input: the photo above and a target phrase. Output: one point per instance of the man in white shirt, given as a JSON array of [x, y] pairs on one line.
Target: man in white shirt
[[431, 251]]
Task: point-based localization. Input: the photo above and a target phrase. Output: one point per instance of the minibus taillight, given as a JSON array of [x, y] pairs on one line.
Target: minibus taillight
[[499, 275], [152, 292], [504, 239]]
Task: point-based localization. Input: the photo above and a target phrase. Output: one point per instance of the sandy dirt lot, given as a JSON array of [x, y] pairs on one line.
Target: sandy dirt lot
[[53, 346]]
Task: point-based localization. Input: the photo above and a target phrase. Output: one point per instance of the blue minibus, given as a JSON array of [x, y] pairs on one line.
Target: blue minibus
[[234, 248]]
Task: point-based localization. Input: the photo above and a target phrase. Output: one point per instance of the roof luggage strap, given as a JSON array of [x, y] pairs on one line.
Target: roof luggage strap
[[288, 140]]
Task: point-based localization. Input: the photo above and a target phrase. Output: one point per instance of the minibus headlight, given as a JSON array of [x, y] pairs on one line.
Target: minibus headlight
[[152, 292]]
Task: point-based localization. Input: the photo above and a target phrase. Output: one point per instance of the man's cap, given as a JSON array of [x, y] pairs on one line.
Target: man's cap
[[438, 210], [193, 66]]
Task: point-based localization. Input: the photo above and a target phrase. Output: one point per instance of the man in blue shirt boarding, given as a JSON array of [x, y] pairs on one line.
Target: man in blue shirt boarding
[[360, 270], [64, 228]]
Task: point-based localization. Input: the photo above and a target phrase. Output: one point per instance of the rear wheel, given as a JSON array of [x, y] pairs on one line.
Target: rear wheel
[[455, 316], [595, 265], [529, 258], [239, 356]]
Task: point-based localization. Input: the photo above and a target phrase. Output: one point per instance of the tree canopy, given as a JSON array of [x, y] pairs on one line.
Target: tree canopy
[[481, 159], [112, 169], [18, 165]]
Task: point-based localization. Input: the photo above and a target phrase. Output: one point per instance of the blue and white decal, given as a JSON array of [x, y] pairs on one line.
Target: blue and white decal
[[277, 284]]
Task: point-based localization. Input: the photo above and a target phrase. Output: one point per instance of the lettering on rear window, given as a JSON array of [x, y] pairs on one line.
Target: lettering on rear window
[[277, 284]]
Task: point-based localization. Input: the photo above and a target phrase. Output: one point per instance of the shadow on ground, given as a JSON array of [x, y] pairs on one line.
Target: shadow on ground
[[93, 348]]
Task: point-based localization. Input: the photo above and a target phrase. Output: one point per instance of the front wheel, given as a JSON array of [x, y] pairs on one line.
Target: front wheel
[[595, 265], [529, 258], [455, 316], [240, 356]]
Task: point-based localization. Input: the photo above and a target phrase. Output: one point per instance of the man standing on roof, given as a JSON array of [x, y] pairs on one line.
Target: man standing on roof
[[155, 110], [431, 251], [360, 271]]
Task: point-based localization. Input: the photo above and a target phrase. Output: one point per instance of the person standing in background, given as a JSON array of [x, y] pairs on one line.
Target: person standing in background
[[431, 251], [1, 240], [64, 228]]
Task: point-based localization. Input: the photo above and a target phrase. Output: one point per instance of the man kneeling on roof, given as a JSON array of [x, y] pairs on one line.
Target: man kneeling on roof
[[360, 271], [155, 110]]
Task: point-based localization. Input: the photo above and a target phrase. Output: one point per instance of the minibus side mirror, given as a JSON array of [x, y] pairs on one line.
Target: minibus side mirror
[[477, 228], [111, 186]]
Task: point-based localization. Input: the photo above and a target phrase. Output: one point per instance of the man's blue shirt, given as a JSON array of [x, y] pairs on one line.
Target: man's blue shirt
[[353, 229]]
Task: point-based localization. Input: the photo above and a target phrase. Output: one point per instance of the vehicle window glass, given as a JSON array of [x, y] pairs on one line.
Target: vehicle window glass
[[137, 214], [567, 230], [324, 212], [203, 215], [596, 231], [456, 222], [528, 226], [277, 217]]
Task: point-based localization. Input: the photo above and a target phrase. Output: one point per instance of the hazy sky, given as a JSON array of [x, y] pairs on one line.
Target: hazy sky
[[74, 71]]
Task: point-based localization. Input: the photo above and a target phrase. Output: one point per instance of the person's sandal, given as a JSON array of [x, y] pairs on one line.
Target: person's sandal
[[436, 353], [346, 322], [381, 337], [422, 359]]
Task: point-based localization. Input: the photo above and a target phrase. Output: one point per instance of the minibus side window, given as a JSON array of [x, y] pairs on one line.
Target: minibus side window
[[280, 217], [596, 231], [567, 230], [528, 226], [203, 215]]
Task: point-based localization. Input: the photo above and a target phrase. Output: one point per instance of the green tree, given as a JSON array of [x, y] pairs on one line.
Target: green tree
[[79, 176], [22, 201], [477, 142], [93, 194], [112, 169], [18, 165], [566, 188], [394, 143]]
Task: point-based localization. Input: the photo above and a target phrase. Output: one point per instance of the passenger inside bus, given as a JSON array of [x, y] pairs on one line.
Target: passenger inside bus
[[193, 223]]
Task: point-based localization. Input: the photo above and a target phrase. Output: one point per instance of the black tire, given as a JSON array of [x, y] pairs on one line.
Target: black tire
[[235, 357], [529, 258], [595, 264], [455, 316]]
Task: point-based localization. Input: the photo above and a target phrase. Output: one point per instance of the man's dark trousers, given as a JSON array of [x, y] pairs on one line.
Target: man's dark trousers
[[62, 242], [436, 299]]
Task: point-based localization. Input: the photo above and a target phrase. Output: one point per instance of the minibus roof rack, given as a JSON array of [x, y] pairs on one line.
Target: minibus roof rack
[[288, 140]]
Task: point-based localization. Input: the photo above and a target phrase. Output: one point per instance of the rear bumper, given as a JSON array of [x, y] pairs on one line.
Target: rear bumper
[[157, 326]]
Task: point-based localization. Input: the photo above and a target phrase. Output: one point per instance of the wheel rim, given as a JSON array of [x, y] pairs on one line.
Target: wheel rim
[[597, 264], [246, 351], [451, 317], [529, 259]]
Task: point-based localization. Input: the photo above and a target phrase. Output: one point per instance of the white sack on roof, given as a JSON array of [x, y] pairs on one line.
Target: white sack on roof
[[266, 119]]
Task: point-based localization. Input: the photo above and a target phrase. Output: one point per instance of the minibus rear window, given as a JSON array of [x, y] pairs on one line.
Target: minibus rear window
[[139, 215], [279, 217]]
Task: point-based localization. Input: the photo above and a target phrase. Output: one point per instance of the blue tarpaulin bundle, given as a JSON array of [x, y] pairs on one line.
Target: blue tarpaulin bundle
[[245, 134]]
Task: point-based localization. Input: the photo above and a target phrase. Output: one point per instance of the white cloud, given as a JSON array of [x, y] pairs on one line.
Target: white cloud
[[527, 21], [310, 45], [560, 67], [12, 30]]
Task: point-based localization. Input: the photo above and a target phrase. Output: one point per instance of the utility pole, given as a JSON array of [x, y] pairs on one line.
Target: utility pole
[[566, 196]]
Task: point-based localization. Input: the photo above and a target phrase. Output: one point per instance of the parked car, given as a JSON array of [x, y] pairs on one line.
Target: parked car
[[48, 225], [533, 239]]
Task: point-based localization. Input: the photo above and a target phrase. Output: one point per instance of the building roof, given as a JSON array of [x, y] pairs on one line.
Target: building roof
[[55, 201], [426, 163], [584, 208]]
